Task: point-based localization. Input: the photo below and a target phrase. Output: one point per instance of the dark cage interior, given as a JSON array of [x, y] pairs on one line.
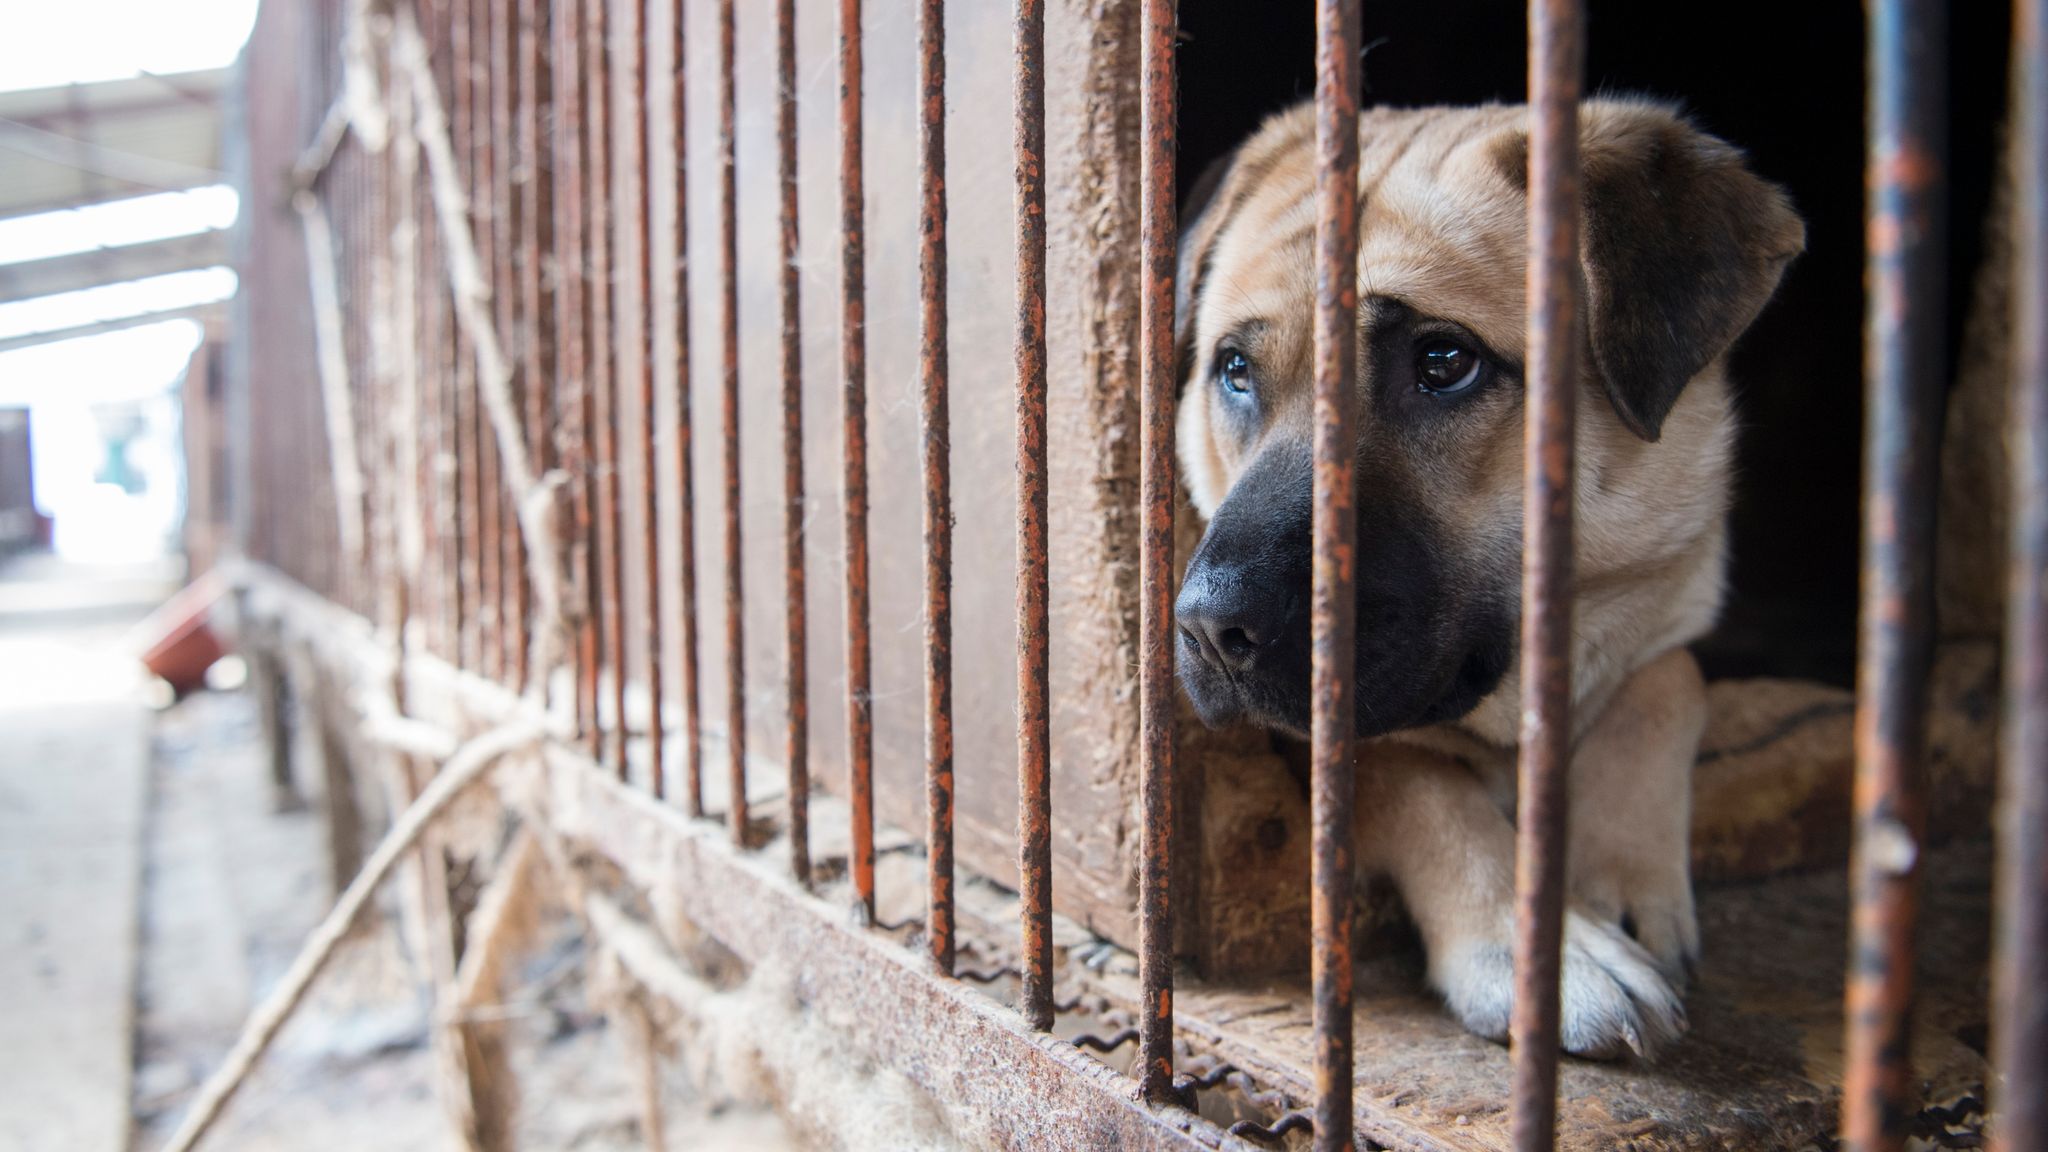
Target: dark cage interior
[[1783, 82]]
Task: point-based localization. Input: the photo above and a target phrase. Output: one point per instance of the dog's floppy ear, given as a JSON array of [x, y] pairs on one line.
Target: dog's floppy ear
[[1683, 246]]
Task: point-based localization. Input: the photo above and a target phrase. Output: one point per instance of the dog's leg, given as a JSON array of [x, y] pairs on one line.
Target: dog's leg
[[1426, 821], [1631, 810]]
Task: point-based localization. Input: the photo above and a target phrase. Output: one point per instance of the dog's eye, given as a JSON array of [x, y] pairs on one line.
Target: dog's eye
[[1446, 368], [1233, 371]]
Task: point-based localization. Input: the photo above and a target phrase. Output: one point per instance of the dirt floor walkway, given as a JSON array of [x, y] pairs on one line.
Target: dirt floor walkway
[[74, 751], [151, 890]]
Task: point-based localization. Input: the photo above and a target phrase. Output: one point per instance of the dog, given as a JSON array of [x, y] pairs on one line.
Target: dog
[[1682, 246]]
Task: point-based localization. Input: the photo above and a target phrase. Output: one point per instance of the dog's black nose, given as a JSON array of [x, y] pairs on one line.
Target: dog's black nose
[[1227, 623]]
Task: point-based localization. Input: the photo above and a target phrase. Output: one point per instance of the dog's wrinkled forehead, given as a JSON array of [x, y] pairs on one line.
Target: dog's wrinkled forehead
[[1441, 228]]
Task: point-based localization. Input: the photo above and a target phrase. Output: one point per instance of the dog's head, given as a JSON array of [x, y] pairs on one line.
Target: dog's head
[[1681, 246]]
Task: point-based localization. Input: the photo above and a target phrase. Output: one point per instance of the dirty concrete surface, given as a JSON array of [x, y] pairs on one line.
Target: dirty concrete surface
[[151, 889]]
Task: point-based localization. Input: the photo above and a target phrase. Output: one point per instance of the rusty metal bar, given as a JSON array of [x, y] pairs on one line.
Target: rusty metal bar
[[572, 399], [506, 244], [479, 181], [796, 738], [468, 499], [935, 426], [1160, 143], [735, 604], [2021, 1029], [604, 368], [1333, 604], [1557, 45], [537, 241], [643, 288], [1903, 381], [853, 371], [1034, 714], [686, 497]]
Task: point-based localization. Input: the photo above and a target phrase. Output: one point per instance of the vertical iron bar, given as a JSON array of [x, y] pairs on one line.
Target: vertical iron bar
[[571, 354], [605, 390], [1555, 321], [481, 180], [650, 549], [735, 638], [505, 293], [853, 371], [686, 498], [1903, 382], [935, 425], [537, 242], [796, 740], [2021, 1031], [1160, 136], [1332, 605], [468, 473], [1034, 724]]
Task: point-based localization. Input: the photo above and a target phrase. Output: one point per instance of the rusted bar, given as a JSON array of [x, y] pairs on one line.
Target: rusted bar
[[643, 289], [1160, 135], [503, 84], [935, 426], [1332, 602], [2021, 1032], [604, 367], [796, 738], [572, 399], [729, 229], [853, 373], [426, 296], [1034, 723], [1556, 72], [537, 233], [468, 500], [490, 514], [686, 512], [1903, 382]]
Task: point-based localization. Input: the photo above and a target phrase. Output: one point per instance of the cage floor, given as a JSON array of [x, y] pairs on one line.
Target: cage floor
[[1760, 1068]]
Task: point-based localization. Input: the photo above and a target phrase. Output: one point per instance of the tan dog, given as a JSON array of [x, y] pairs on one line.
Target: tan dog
[[1682, 247]]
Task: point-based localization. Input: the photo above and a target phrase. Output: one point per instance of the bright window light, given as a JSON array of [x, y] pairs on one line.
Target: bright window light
[[137, 220], [116, 301], [106, 368], [78, 41]]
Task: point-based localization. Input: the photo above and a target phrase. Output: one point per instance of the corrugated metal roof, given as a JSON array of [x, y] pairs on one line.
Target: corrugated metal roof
[[85, 143]]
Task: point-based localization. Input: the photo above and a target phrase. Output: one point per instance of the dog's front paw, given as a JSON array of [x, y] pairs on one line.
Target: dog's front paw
[[1613, 999], [1650, 900]]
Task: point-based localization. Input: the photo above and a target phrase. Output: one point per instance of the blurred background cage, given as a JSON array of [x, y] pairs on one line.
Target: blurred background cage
[[771, 405]]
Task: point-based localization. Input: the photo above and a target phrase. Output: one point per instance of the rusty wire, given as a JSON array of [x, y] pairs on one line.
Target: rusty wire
[[1905, 271], [1271, 1133]]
